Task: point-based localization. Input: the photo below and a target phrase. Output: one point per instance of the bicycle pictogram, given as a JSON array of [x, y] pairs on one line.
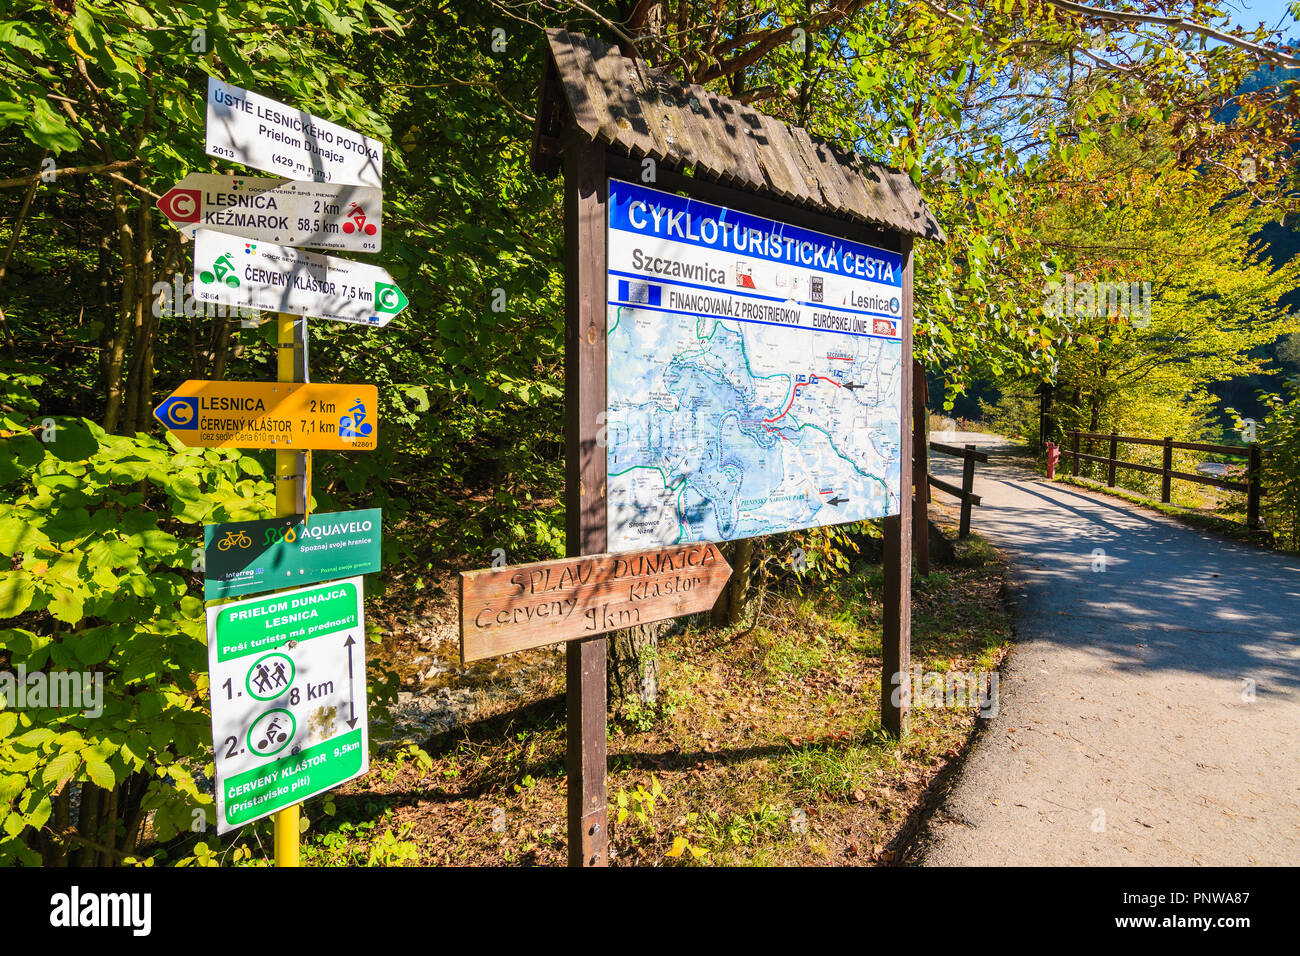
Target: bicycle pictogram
[[356, 222], [234, 539], [354, 424], [271, 732], [223, 270]]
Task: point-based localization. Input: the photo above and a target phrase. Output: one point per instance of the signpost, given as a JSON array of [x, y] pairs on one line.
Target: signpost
[[281, 415], [248, 557], [263, 275], [532, 605], [290, 665], [316, 215], [246, 127], [288, 686]]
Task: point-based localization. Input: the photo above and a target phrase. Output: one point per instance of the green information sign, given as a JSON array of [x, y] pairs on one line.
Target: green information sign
[[255, 793], [248, 557], [252, 626], [287, 679]]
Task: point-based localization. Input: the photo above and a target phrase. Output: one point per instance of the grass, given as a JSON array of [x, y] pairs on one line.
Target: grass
[[765, 747]]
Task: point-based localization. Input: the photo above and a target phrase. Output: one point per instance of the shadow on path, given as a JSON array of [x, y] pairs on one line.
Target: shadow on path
[[1155, 687]]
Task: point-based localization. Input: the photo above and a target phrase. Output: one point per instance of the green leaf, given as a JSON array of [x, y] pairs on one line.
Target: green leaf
[[67, 606], [94, 646], [99, 772], [16, 593], [17, 534], [62, 767], [50, 130], [74, 440]]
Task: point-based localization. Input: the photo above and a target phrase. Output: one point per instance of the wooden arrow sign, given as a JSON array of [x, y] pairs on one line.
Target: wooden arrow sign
[[532, 605]]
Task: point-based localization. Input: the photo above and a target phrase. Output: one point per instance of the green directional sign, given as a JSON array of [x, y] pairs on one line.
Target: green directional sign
[[287, 679], [248, 795], [249, 557]]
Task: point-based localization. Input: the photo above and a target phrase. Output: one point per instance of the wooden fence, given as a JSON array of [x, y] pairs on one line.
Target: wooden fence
[[1252, 454], [965, 493]]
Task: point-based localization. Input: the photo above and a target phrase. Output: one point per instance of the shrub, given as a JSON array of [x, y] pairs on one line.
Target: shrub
[[101, 536]]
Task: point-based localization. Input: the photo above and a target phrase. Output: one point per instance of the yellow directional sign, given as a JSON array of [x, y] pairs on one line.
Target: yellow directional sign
[[284, 415]]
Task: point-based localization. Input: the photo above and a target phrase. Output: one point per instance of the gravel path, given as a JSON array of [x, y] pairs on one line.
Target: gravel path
[[1125, 732]]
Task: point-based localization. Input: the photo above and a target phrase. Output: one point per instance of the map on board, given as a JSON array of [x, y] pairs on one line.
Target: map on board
[[754, 373]]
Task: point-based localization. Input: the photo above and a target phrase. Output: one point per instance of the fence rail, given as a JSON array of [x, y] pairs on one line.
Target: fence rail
[[965, 494], [1252, 454]]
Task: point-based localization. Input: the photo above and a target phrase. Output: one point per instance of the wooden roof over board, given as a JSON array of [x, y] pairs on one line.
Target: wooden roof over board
[[644, 112]]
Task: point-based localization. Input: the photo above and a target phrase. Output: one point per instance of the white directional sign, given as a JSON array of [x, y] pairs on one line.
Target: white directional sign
[[287, 678], [255, 130], [275, 278], [316, 215]]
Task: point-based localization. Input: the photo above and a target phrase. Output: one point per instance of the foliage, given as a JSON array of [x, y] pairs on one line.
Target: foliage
[[366, 843], [1280, 435], [1047, 139], [102, 531], [1147, 365], [639, 802]]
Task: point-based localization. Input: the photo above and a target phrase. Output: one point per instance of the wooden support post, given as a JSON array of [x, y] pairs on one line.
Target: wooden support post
[[920, 470], [1252, 488], [967, 488], [896, 651], [1114, 454], [1166, 466], [1075, 458], [896, 648], [585, 195]]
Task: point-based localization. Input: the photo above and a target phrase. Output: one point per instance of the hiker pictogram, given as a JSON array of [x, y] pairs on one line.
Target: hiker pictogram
[[356, 222], [271, 676], [223, 270]]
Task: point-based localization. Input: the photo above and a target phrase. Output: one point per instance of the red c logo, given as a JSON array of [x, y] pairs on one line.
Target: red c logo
[[181, 205]]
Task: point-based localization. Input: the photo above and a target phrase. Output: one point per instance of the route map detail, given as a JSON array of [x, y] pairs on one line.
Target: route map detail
[[754, 373]]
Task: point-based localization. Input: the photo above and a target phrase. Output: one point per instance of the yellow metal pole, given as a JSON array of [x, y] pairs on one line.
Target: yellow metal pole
[[286, 503]]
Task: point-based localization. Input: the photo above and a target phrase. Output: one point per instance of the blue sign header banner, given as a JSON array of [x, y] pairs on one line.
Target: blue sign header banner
[[653, 213]]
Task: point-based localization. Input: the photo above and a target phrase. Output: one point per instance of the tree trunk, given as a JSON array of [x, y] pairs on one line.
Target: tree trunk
[[87, 825], [738, 587], [126, 311], [633, 665], [722, 606], [135, 403]]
